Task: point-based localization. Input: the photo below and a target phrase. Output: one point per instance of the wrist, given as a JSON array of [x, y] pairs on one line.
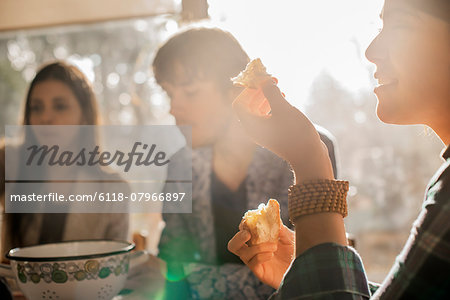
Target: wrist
[[313, 230], [316, 166], [308, 171]]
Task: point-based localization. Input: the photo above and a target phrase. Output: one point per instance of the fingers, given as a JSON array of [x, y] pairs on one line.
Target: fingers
[[256, 101], [264, 108], [247, 108], [274, 96], [260, 102], [238, 241], [249, 101], [241, 103], [244, 98], [259, 259], [275, 79], [250, 253], [286, 236]]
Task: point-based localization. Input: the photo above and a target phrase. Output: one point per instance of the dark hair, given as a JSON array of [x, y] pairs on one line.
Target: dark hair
[[75, 80], [79, 85], [201, 53]]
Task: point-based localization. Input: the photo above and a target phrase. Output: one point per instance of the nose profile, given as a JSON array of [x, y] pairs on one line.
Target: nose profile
[[176, 103], [374, 52], [172, 111]]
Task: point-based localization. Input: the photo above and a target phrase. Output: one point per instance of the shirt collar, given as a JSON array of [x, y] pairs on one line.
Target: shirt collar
[[446, 153]]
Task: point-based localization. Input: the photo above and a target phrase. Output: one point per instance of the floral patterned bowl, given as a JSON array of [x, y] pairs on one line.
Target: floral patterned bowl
[[90, 269]]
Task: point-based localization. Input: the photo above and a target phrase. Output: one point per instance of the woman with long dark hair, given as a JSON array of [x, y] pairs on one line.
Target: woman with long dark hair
[[59, 94]]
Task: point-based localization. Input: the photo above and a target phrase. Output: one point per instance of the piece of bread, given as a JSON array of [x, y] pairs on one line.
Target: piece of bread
[[252, 76], [263, 223]]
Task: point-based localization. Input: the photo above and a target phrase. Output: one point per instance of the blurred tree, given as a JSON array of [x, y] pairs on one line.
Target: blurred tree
[[115, 55], [194, 10]]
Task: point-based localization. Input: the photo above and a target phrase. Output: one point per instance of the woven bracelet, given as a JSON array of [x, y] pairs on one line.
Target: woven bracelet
[[317, 196]]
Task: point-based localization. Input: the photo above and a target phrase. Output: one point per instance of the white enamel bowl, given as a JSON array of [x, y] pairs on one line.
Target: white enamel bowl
[[77, 270]]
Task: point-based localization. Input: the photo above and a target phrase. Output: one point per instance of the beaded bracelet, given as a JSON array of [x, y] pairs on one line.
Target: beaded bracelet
[[317, 196]]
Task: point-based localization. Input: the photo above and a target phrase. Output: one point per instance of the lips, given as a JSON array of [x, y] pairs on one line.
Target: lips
[[385, 79], [386, 83]]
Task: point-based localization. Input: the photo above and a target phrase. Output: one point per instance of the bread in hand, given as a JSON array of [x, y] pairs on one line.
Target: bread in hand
[[263, 223], [252, 76]]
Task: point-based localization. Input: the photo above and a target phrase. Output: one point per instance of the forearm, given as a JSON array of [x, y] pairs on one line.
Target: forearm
[[319, 228], [315, 229]]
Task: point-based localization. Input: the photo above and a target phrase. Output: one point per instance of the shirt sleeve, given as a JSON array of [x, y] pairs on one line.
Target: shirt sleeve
[[325, 271], [422, 270], [329, 141]]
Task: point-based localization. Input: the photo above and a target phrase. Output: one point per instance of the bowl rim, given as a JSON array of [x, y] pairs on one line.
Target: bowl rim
[[126, 248]]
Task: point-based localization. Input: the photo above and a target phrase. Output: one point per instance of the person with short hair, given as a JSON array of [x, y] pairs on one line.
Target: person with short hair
[[230, 173]]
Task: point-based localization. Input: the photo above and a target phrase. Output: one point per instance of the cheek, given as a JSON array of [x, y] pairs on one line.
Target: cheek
[[422, 64], [208, 127], [210, 111], [74, 116], [32, 119], [212, 123], [39, 118]]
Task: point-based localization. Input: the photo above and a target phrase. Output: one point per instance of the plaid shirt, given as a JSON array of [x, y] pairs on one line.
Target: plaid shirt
[[421, 271]]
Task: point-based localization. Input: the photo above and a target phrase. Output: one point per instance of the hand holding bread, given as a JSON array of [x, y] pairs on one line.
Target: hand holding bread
[[264, 244]]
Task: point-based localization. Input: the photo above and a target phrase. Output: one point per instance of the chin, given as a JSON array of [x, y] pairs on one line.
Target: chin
[[385, 117], [387, 112], [391, 115], [387, 106]]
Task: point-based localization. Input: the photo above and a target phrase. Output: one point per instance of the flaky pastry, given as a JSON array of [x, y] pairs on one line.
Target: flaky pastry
[[263, 223], [252, 76]]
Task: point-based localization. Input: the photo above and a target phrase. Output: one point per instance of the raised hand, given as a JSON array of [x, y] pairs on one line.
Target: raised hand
[[278, 126]]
